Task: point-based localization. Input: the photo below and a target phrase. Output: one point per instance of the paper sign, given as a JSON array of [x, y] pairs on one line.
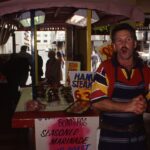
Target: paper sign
[[106, 51], [81, 84], [70, 133], [71, 66]]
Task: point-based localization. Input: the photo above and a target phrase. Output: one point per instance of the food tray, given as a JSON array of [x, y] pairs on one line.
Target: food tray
[[78, 107]]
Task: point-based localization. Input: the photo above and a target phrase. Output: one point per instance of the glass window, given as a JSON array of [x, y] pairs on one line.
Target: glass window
[[45, 41], [38, 41]]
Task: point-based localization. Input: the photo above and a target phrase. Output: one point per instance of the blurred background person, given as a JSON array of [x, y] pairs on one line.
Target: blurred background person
[[60, 50], [53, 69], [25, 64], [60, 58], [40, 67], [23, 53], [95, 60]]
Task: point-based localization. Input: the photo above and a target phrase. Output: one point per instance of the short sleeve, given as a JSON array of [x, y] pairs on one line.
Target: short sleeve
[[100, 85]]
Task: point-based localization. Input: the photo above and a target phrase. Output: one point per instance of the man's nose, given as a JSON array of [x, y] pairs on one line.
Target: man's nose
[[124, 42]]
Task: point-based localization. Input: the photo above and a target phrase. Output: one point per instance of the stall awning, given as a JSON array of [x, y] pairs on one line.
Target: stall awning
[[114, 7]]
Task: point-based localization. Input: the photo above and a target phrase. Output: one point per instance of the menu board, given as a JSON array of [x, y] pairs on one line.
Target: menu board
[[69, 133], [81, 84]]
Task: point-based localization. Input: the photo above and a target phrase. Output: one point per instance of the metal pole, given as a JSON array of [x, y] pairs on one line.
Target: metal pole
[[33, 54]]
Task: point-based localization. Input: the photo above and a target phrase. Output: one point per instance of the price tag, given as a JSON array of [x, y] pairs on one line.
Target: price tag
[[82, 94]]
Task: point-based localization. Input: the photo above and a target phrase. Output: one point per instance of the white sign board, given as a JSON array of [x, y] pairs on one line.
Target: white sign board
[[81, 84], [68, 133]]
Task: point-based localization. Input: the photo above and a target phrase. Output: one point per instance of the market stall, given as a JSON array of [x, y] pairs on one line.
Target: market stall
[[45, 120], [50, 113]]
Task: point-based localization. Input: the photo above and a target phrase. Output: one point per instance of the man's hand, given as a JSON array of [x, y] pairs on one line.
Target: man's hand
[[138, 105]]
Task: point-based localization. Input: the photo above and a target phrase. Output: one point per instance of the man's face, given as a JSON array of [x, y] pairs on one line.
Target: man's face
[[124, 44]]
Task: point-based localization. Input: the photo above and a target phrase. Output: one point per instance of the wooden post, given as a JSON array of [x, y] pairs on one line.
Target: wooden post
[[89, 14]]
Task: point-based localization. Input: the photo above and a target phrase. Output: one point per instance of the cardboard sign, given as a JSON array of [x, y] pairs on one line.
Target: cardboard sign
[[71, 66], [106, 51], [81, 83], [70, 133]]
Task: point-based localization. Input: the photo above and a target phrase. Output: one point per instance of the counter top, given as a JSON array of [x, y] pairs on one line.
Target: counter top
[[26, 95], [25, 119]]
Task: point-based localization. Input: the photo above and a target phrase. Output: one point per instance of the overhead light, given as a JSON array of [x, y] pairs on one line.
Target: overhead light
[[80, 18], [25, 18]]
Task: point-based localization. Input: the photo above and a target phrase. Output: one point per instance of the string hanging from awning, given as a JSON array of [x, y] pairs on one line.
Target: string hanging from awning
[[6, 29]]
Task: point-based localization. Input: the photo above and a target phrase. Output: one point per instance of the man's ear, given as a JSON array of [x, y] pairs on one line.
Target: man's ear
[[114, 47], [135, 44]]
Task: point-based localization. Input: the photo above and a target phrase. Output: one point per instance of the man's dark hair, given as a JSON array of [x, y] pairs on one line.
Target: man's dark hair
[[58, 54], [24, 48], [123, 26]]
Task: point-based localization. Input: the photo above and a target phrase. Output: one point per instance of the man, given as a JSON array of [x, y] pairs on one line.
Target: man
[[23, 53], [40, 67], [53, 69], [120, 93], [24, 60]]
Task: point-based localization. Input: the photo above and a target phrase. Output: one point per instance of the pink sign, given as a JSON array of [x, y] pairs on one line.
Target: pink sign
[[71, 133]]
